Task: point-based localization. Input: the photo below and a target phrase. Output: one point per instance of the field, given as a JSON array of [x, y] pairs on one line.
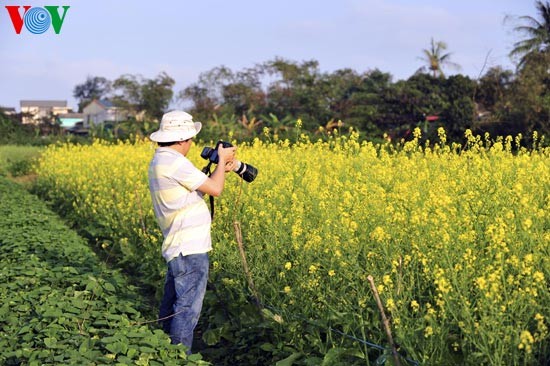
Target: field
[[59, 304], [455, 236]]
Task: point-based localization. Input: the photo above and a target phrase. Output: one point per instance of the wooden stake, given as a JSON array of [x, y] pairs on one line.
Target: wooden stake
[[239, 236], [385, 320]]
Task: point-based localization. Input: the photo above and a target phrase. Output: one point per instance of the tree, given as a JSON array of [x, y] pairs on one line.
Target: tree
[[537, 32], [296, 91], [95, 87], [242, 94], [128, 92], [527, 105], [493, 86], [459, 112], [207, 93], [156, 95], [338, 89], [406, 104], [12, 131], [436, 59], [148, 97], [367, 109]]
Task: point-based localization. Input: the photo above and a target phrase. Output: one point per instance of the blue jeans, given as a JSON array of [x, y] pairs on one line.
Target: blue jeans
[[184, 291]]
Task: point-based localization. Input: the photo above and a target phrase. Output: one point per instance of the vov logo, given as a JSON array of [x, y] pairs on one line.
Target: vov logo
[[37, 20]]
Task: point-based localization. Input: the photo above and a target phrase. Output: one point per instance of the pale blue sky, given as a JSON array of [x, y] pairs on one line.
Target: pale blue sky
[[185, 38]]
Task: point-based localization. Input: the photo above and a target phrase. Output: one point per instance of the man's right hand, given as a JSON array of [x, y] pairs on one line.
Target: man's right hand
[[214, 184], [226, 154]]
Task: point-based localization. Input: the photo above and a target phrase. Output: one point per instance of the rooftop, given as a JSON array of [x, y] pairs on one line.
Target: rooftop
[[43, 103]]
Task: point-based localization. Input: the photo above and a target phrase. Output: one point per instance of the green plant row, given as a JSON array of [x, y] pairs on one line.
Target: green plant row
[[59, 304]]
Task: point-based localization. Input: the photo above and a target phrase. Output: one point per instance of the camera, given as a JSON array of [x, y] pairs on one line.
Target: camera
[[245, 171]]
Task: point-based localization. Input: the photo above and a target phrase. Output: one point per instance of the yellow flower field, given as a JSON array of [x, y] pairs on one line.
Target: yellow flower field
[[456, 238]]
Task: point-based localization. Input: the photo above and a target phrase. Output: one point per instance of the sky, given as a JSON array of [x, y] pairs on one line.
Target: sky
[[183, 38]]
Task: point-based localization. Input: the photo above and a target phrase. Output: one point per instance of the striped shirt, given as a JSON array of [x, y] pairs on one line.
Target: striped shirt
[[181, 212]]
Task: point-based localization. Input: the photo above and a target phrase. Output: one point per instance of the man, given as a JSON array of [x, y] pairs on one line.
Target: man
[[177, 188]]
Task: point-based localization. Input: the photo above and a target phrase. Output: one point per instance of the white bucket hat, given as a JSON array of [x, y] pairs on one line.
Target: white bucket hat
[[176, 126]]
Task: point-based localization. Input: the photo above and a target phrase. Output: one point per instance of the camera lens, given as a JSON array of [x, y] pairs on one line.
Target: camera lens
[[247, 172]]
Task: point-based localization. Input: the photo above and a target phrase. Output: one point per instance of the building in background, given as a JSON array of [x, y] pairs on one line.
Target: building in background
[[69, 120], [101, 111], [8, 111], [37, 111]]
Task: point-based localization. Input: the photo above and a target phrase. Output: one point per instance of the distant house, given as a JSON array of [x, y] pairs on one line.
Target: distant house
[[70, 120], [8, 111], [34, 111], [100, 111]]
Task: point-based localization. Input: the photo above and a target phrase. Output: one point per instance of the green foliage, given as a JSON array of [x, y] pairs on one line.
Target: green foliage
[[275, 93], [436, 59], [60, 304], [17, 160], [13, 132], [527, 106], [96, 87], [148, 96], [536, 31]]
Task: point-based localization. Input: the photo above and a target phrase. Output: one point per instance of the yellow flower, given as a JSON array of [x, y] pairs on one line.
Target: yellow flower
[[428, 332], [287, 289], [415, 306], [525, 341], [379, 235], [481, 283], [288, 266], [538, 276], [541, 326], [455, 346], [331, 273]]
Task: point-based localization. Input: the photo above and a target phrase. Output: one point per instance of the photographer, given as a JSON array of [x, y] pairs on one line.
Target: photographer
[[177, 188]]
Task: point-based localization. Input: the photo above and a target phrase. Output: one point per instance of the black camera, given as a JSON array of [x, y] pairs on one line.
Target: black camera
[[245, 171]]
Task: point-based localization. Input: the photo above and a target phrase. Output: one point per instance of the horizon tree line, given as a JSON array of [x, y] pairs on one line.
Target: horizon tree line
[[275, 93]]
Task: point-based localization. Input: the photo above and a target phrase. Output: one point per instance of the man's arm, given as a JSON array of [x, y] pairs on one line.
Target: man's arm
[[215, 183]]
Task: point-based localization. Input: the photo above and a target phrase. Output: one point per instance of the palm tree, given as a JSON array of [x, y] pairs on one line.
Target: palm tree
[[436, 59], [537, 32]]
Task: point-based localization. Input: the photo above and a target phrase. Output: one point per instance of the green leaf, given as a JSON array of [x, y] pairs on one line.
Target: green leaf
[[50, 342], [289, 360], [113, 316], [211, 337], [195, 357], [146, 349], [131, 352], [117, 347], [24, 330], [109, 287], [268, 347], [135, 334]]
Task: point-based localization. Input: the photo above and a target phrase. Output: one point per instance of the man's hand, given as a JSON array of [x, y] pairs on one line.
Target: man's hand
[[226, 155], [230, 165]]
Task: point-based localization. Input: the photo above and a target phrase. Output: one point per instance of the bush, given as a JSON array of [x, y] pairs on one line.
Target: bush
[[18, 160]]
